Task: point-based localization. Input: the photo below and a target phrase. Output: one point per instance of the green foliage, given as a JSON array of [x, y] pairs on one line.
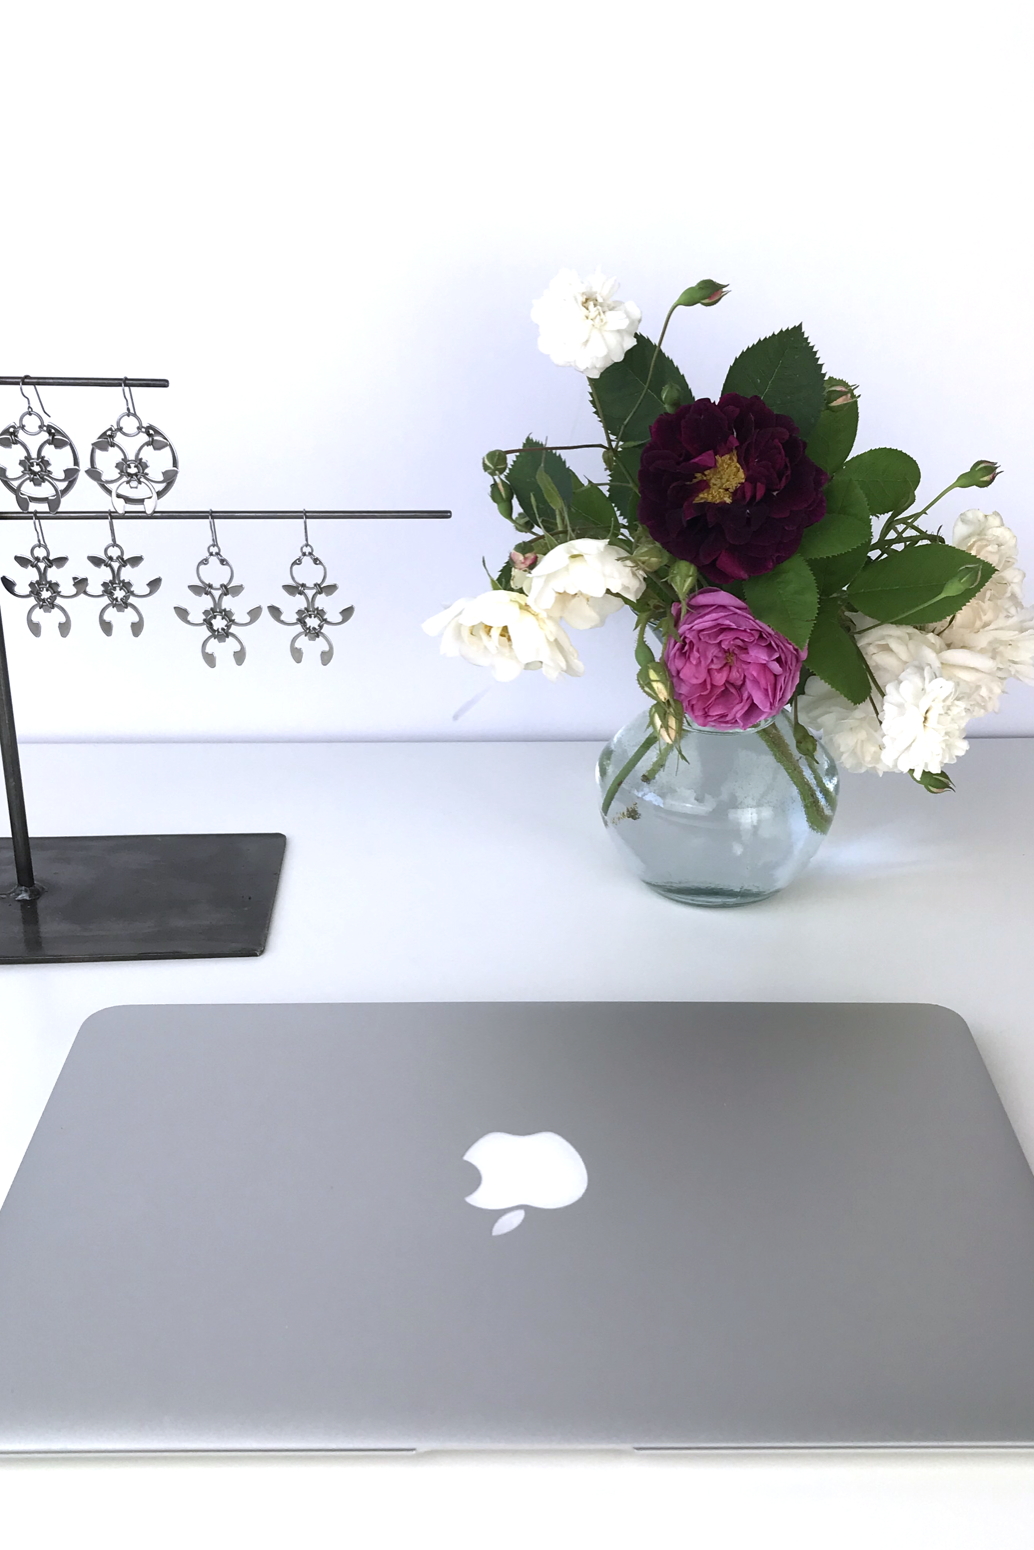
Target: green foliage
[[523, 479], [919, 585], [620, 393], [830, 443], [787, 598], [834, 656], [785, 371], [592, 514], [845, 526], [834, 574], [624, 480], [889, 479]]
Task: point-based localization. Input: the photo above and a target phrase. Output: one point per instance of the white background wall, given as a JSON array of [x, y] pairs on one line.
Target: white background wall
[[325, 223]]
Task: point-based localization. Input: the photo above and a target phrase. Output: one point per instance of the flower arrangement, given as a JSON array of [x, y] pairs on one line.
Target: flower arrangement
[[766, 566]]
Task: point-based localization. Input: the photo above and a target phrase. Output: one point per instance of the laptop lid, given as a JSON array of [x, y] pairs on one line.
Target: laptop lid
[[257, 1227]]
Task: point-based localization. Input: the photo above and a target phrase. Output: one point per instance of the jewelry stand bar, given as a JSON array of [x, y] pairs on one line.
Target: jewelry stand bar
[[112, 898]]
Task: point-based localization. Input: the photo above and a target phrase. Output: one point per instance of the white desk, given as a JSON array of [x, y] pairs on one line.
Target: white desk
[[480, 871]]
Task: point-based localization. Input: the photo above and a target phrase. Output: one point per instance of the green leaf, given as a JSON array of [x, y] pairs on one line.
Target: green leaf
[[889, 479], [592, 514], [618, 391], [786, 598], [552, 494], [834, 656], [834, 574], [524, 481], [919, 585], [830, 443], [845, 526], [624, 482], [785, 371]]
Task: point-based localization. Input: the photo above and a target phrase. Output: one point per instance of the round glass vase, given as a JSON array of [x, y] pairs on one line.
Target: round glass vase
[[718, 818]]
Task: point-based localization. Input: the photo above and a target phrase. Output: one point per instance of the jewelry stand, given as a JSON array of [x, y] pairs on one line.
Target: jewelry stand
[[108, 898]]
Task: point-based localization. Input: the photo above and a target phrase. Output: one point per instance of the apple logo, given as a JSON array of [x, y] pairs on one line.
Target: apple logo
[[541, 1170]]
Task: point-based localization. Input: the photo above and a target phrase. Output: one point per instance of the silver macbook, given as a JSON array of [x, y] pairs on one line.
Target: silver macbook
[[397, 1227]]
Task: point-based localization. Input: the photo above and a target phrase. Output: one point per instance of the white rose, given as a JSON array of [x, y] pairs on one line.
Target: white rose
[[582, 582], [923, 718], [984, 534], [582, 323], [501, 630], [1005, 637], [890, 648], [852, 733]]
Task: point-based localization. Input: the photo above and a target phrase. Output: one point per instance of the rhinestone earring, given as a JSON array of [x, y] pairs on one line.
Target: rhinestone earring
[[310, 619]]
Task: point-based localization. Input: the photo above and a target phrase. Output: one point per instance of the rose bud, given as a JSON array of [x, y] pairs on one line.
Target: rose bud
[[983, 473], [649, 556], [671, 396], [934, 783], [494, 462], [522, 561], [666, 722], [683, 577], [840, 394], [502, 495], [653, 679], [706, 293]]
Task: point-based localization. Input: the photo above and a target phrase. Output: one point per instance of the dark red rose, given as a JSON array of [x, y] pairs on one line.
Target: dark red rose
[[728, 485]]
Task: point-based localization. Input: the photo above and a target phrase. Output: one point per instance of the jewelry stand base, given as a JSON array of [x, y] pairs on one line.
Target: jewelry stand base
[[112, 897]]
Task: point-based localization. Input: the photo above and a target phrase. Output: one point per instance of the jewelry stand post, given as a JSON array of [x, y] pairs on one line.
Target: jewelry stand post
[[111, 898]]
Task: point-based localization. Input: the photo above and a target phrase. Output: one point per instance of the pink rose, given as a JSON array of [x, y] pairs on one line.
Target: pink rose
[[729, 670]]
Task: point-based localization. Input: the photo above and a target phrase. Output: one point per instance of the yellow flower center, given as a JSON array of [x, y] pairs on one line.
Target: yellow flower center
[[721, 480]]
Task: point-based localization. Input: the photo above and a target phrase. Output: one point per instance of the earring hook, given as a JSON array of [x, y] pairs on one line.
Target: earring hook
[[127, 394], [41, 412], [213, 547], [306, 546]]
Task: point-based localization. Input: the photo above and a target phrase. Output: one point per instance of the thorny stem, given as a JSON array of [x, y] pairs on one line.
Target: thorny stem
[[625, 771], [576, 446], [816, 811], [649, 374], [600, 415]]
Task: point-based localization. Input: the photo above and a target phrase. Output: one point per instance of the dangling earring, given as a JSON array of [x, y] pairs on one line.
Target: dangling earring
[[218, 619], [310, 620], [44, 592], [38, 486], [123, 470], [133, 486]]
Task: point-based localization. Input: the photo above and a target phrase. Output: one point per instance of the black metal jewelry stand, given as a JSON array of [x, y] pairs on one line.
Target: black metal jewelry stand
[[108, 898]]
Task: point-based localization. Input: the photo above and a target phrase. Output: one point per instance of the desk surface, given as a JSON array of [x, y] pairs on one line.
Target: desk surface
[[480, 871]]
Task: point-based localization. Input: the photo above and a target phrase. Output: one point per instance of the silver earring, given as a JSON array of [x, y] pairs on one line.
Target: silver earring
[[46, 594], [310, 619], [121, 469], [122, 462], [218, 619], [37, 485]]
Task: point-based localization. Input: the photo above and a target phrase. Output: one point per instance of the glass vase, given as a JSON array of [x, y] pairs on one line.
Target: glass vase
[[719, 818]]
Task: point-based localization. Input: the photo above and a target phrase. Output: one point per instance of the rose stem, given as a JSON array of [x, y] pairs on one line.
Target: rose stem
[[818, 819], [625, 771]]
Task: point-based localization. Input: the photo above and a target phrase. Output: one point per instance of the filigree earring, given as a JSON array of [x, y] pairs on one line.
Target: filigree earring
[[122, 462], [118, 465], [310, 619], [38, 486], [218, 619]]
